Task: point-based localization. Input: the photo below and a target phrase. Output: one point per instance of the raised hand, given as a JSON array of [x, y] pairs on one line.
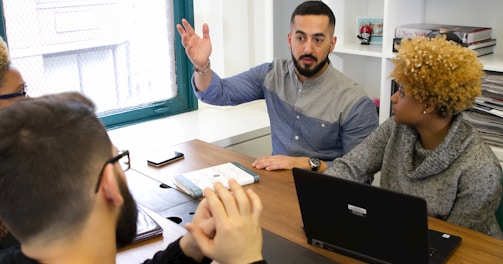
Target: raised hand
[[197, 49]]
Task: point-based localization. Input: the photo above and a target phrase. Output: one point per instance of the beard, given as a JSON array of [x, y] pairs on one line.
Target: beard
[[126, 223], [307, 71]]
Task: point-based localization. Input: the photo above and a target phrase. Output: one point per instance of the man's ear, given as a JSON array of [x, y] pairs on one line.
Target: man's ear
[[332, 44], [289, 38], [110, 186]]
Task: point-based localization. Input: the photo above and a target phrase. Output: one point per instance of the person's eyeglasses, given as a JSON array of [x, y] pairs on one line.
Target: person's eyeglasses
[[122, 158], [12, 95]]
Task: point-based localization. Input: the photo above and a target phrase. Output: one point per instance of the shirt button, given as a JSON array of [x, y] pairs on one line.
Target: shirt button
[[323, 125], [298, 117], [296, 137]]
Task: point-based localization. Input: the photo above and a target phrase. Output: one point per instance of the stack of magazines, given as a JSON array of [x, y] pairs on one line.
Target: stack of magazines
[[487, 113]]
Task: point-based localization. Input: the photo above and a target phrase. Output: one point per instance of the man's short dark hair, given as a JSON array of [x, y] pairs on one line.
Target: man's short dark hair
[[52, 149], [314, 8]]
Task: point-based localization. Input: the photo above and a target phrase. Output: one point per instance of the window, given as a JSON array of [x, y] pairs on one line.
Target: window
[[123, 54]]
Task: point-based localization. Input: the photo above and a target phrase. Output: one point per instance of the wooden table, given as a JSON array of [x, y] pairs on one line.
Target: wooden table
[[281, 213]]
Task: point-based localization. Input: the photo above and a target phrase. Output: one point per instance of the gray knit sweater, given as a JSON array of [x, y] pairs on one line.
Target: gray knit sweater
[[460, 179]]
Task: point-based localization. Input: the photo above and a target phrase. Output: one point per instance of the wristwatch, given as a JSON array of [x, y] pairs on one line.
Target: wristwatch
[[314, 163]]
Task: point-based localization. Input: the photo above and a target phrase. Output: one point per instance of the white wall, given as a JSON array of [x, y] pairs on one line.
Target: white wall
[[240, 32]]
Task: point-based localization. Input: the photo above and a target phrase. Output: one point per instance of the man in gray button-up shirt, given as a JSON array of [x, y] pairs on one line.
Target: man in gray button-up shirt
[[315, 111]]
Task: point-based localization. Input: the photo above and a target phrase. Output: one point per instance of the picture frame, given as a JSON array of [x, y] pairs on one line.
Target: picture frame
[[375, 23]]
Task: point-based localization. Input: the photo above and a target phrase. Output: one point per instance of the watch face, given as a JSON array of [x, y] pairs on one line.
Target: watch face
[[314, 163]]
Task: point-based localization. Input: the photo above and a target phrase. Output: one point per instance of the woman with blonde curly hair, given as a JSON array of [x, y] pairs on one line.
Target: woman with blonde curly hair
[[12, 87], [427, 149]]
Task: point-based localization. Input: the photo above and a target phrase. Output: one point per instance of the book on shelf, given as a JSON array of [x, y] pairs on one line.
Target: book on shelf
[[482, 44], [484, 51], [466, 34], [483, 47], [193, 183]]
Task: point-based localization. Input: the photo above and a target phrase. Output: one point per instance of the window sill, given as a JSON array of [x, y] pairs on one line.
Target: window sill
[[222, 126]]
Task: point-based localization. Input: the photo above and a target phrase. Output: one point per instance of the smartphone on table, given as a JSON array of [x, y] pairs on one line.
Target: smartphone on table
[[163, 158]]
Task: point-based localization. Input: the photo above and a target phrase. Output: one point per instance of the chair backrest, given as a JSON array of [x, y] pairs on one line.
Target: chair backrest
[[499, 212]]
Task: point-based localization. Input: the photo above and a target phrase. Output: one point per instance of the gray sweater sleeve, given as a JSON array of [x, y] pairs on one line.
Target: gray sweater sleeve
[[363, 161], [478, 193]]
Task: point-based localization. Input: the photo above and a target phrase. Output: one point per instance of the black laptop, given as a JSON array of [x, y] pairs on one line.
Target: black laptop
[[367, 222]]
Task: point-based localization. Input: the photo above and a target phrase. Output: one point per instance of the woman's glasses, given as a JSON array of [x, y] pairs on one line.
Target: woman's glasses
[[13, 95]]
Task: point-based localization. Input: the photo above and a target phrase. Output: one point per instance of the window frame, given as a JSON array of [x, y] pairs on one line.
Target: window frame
[[185, 100]]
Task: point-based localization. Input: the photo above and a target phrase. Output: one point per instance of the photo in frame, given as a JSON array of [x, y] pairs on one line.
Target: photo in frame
[[376, 26]]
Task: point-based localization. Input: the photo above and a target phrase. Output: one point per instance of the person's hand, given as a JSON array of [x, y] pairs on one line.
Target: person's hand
[[238, 236], [197, 49], [280, 162], [203, 219]]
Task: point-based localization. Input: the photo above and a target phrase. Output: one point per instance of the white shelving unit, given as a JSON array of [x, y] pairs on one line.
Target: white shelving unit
[[370, 65]]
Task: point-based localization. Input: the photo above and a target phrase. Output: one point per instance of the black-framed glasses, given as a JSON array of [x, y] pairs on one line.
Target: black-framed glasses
[[12, 95], [122, 158], [22, 87]]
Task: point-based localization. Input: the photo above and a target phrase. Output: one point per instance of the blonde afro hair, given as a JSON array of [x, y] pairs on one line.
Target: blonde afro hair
[[438, 71], [4, 59]]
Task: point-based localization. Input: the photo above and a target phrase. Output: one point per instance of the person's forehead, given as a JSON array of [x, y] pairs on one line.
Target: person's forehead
[[311, 24]]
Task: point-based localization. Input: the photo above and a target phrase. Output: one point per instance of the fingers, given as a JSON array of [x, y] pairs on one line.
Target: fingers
[[276, 162], [256, 204], [236, 214], [215, 205], [203, 242], [228, 199], [233, 203], [241, 197], [261, 163], [206, 31], [187, 28], [186, 31]]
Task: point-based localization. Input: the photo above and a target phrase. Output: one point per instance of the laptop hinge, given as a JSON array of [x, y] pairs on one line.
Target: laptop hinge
[[346, 252]]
